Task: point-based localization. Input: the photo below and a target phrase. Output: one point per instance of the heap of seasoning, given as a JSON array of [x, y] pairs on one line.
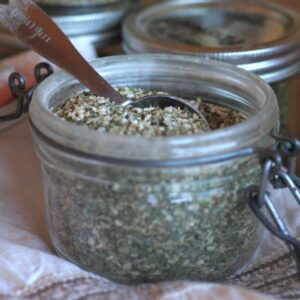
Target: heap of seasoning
[[101, 114], [132, 224]]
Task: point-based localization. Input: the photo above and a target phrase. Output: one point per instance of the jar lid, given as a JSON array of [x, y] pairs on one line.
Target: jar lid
[[63, 7], [75, 2], [256, 35], [99, 20]]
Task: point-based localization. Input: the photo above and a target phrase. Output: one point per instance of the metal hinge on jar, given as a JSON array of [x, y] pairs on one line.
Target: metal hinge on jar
[[22, 97], [280, 176]]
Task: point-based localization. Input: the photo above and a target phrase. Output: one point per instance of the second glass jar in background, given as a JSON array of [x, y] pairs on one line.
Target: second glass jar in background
[[256, 35]]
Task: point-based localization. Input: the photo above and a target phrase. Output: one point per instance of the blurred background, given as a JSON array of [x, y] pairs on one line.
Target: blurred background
[[95, 28]]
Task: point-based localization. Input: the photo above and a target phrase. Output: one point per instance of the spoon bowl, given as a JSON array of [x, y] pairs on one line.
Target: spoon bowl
[[164, 101]]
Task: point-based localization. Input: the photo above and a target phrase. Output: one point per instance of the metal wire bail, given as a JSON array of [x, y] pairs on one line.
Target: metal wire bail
[[17, 87], [280, 176]]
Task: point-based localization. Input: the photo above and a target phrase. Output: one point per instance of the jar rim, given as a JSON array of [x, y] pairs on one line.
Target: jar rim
[[95, 20], [273, 60], [79, 138], [59, 8]]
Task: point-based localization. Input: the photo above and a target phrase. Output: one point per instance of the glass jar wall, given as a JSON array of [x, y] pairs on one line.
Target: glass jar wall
[[137, 209]]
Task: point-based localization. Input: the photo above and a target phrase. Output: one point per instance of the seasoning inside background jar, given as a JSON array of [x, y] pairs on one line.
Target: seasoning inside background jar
[[256, 35]]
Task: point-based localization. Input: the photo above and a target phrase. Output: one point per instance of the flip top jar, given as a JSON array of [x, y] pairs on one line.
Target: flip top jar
[[258, 36], [137, 209]]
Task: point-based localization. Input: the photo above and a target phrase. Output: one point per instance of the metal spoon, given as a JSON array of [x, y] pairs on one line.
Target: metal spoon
[[37, 30]]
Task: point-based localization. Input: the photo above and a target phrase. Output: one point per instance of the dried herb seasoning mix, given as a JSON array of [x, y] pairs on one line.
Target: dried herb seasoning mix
[[101, 114], [135, 225]]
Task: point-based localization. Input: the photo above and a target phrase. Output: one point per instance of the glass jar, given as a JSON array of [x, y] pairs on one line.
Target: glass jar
[[259, 36], [137, 209]]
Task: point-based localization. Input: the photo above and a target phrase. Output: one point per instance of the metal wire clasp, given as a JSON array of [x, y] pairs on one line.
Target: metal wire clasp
[[280, 176], [16, 83]]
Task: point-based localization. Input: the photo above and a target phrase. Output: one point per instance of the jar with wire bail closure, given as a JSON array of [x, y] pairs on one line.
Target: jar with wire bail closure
[[258, 36], [140, 209]]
